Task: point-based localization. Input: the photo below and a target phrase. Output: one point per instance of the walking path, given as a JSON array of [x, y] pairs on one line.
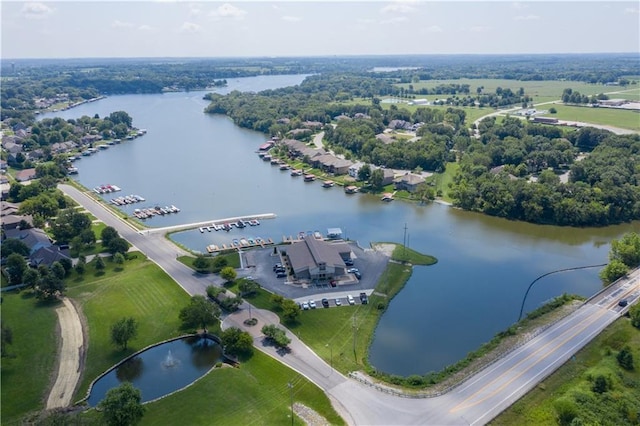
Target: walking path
[[69, 357]]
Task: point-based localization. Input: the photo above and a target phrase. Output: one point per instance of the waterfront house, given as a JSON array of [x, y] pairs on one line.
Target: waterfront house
[[408, 182], [317, 260], [25, 175]]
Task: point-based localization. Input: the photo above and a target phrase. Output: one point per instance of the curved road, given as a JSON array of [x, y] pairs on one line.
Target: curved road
[[475, 401]]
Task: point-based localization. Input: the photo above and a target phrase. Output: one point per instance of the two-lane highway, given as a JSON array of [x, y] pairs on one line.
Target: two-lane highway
[[476, 401]]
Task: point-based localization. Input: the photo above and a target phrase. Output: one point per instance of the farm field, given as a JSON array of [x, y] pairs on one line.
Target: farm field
[[625, 119]]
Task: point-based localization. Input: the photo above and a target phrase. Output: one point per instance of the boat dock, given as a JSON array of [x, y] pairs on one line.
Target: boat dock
[[240, 243], [210, 224]]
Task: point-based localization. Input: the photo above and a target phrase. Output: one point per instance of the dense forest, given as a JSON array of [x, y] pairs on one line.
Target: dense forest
[[512, 172]]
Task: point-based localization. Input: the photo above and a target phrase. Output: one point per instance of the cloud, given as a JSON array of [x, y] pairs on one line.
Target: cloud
[[145, 27], [526, 17], [365, 21], [189, 27], [228, 11], [194, 10], [397, 7], [434, 29], [395, 20], [480, 29], [291, 18], [519, 6], [632, 11], [36, 10], [121, 24]]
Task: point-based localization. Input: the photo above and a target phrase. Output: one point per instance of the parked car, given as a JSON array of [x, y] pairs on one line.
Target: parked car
[[363, 298], [352, 270], [333, 283], [305, 306], [277, 266], [348, 262], [281, 274], [338, 302], [312, 304], [350, 299], [325, 302]]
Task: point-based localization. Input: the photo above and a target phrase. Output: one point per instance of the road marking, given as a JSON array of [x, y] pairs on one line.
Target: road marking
[[465, 404]]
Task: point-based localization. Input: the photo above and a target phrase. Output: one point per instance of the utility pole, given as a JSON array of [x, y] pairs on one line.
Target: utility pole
[[404, 243]]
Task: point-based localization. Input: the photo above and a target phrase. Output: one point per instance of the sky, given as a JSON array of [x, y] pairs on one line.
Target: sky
[[81, 29]]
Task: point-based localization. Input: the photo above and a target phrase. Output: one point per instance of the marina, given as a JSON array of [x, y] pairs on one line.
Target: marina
[[106, 189], [240, 243], [129, 199], [150, 212]]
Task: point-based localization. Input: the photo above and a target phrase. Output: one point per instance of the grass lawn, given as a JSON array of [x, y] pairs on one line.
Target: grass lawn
[[233, 260], [138, 289], [605, 116], [540, 91], [405, 254], [572, 385], [256, 393], [442, 180], [27, 371]]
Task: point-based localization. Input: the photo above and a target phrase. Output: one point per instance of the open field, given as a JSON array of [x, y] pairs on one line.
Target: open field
[[27, 371], [137, 289], [255, 393], [571, 385], [606, 116], [540, 91], [442, 180]]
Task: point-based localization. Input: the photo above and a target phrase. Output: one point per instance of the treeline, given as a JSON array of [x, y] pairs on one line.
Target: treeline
[[602, 189]]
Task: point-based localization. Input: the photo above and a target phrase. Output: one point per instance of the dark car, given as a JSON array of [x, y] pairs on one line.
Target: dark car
[[281, 274], [348, 262], [623, 303], [363, 298], [325, 302]]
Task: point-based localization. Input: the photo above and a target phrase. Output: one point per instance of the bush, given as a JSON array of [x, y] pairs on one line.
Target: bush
[[625, 358], [277, 335]]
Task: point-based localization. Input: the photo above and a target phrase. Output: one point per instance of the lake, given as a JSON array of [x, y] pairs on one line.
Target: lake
[[208, 167]]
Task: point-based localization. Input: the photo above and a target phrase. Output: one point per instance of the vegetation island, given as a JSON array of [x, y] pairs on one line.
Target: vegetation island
[[562, 151]]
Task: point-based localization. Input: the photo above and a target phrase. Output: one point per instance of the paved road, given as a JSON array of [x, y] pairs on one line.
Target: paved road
[[476, 401]]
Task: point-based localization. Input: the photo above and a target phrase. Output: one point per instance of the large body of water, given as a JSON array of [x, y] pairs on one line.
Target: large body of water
[[207, 166]]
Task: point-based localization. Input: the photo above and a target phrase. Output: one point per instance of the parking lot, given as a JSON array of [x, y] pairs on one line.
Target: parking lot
[[259, 264]]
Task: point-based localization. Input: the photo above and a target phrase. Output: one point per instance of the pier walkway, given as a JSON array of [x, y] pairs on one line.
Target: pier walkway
[[194, 225]]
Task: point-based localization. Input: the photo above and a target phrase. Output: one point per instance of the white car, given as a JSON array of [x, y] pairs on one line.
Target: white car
[[305, 306], [338, 302], [312, 304], [351, 300]]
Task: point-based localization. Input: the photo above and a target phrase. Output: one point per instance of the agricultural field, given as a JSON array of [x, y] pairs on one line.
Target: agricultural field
[[625, 119]]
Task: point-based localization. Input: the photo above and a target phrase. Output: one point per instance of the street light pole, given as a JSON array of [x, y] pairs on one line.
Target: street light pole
[[291, 393]]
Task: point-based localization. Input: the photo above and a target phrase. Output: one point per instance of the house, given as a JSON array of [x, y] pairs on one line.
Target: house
[[408, 182], [384, 138], [354, 169], [42, 251], [317, 260], [25, 175], [388, 177], [48, 255], [313, 124], [331, 164]]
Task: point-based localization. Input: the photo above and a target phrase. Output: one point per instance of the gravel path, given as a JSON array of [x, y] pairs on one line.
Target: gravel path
[[69, 357]]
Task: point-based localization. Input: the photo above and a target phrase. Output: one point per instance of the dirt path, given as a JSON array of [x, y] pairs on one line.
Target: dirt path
[[69, 357]]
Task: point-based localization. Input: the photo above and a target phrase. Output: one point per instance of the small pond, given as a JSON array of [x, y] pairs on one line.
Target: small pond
[[161, 369]]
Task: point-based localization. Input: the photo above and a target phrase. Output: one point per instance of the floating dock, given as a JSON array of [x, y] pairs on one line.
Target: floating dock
[[241, 243]]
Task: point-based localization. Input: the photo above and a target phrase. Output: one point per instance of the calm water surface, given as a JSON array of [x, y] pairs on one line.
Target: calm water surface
[[207, 166]]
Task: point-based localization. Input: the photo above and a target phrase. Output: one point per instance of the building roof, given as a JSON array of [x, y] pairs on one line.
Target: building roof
[[310, 252], [47, 255], [411, 179], [34, 238], [26, 174]]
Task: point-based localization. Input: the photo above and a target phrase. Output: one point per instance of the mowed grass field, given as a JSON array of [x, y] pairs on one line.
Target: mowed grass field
[[137, 289], [625, 119], [29, 369], [540, 91], [256, 393]]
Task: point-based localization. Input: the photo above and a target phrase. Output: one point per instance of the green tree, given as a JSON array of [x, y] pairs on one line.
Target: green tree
[[15, 267], [634, 314], [600, 384], [276, 335], [58, 270], [118, 259], [118, 245], [100, 263], [364, 173], [80, 266], [7, 339], [566, 410], [625, 358], [69, 223], [228, 274], [614, 270], [88, 237], [31, 277], [14, 245], [248, 287], [290, 310], [627, 249], [218, 263], [277, 299], [49, 286], [236, 341], [122, 406], [199, 312], [213, 291], [124, 330], [201, 263], [376, 179], [107, 235]]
